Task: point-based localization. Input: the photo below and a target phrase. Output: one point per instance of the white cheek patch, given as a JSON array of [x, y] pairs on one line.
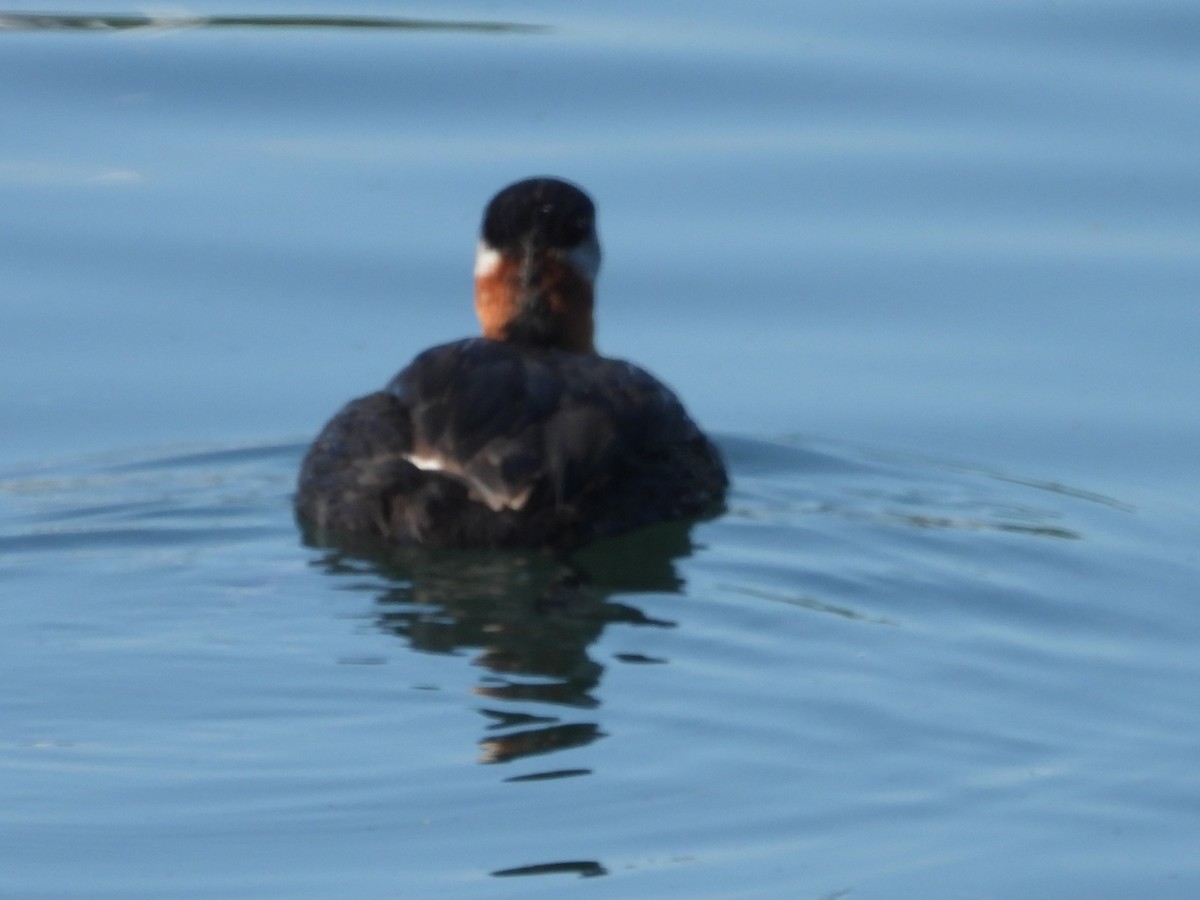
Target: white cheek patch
[[487, 260], [585, 259]]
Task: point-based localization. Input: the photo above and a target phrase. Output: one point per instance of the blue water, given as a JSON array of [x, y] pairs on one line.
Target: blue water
[[927, 271]]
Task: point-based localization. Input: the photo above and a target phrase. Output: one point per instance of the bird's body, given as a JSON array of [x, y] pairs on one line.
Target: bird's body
[[525, 437]]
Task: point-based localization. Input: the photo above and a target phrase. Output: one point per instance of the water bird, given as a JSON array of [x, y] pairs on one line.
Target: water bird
[[524, 437]]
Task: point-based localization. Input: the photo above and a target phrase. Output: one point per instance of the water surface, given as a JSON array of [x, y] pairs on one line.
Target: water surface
[[929, 275]]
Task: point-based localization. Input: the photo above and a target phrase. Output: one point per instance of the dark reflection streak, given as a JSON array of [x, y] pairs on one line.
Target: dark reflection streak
[[1052, 487], [806, 603], [639, 659], [1041, 531], [1055, 487], [535, 741], [117, 22], [582, 868], [548, 776], [967, 525], [891, 457], [210, 458]]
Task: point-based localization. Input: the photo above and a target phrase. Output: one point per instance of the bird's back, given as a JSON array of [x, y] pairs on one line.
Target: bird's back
[[483, 443]]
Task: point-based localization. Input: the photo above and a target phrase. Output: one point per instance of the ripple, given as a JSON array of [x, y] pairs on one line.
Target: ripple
[[865, 645]]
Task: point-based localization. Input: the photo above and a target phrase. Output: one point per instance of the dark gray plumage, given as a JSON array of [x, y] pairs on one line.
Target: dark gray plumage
[[536, 448]]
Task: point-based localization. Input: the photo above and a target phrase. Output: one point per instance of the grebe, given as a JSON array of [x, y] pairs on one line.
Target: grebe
[[525, 437]]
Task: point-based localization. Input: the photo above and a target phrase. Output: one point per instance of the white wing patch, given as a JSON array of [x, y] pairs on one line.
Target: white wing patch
[[495, 500], [427, 463]]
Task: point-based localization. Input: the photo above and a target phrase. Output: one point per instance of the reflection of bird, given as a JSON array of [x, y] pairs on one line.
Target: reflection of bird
[[527, 622], [524, 437]]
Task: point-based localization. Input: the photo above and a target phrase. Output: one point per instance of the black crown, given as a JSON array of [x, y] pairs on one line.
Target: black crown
[[548, 212]]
